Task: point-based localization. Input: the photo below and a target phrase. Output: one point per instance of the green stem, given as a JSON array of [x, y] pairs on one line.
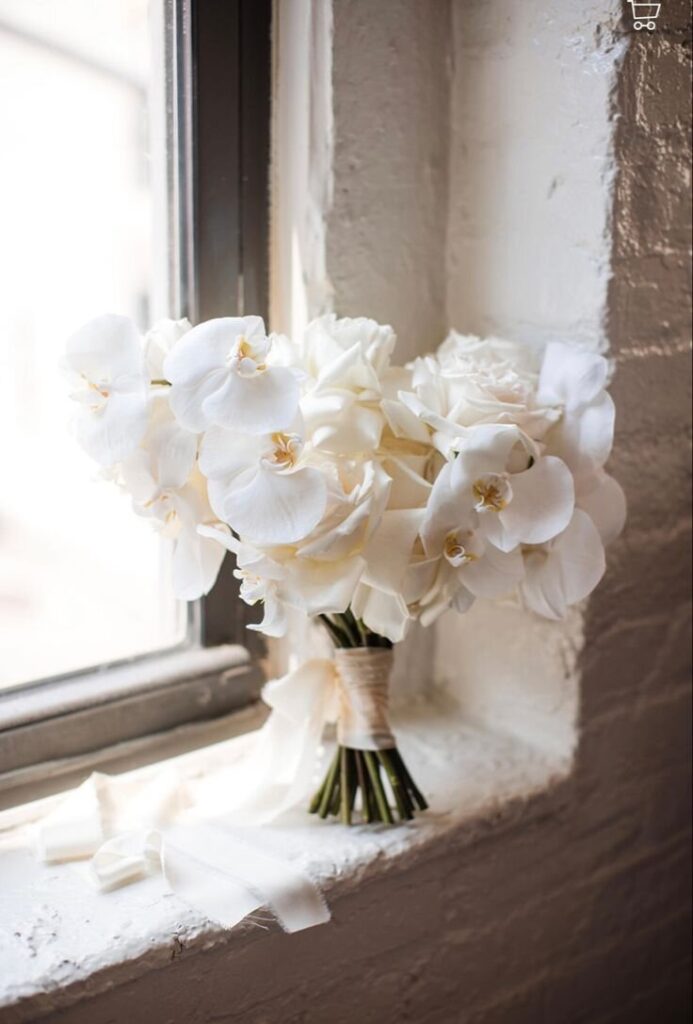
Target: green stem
[[409, 782], [326, 798], [396, 784], [338, 636], [344, 775], [378, 791]]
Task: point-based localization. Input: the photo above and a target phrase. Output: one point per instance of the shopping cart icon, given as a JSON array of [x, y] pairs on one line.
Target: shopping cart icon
[[644, 15]]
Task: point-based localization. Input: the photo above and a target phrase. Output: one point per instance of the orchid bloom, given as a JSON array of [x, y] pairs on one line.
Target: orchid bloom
[[222, 373], [261, 486], [106, 364], [260, 576], [564, 571], [520, 496], [166, 486], [463, 563], [574, 380]]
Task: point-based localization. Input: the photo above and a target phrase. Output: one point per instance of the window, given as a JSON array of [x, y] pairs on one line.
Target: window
[[134, 179]]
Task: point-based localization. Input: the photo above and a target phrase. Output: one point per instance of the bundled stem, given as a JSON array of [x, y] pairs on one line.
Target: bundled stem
[[377, 783]]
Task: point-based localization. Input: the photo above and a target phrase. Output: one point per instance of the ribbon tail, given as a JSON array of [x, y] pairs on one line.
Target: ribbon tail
[[228, 878], [74, 830], [277, 772]]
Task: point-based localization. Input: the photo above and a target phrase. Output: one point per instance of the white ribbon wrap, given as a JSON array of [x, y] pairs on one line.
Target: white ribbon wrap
[[193, 819]]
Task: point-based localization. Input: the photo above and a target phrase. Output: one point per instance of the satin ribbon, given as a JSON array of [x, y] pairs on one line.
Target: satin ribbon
[[194, 819]]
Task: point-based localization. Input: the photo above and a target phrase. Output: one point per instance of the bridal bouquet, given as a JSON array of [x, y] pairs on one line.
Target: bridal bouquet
[[362, 493]]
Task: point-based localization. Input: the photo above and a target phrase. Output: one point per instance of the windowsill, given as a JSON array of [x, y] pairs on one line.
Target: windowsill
[[61, 941]]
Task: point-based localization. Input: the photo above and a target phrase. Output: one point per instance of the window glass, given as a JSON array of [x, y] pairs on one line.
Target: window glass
[[83, 581]]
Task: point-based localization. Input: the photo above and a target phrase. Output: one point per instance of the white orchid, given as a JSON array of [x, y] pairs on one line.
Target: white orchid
[[564, 571], [105, 362], [602, 498], [499, 475], [260, 576], [223, 373], [158, 342], [167, 487], [261, 485], [574, 381], [459, 562]]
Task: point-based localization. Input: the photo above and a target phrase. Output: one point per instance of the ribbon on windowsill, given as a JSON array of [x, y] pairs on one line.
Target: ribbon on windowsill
[[192, 825]]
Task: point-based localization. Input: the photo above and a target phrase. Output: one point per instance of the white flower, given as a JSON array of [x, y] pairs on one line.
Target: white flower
[[462, 564], [470, 381], [346, 361], [106, 365], [574, 380], [602, 498], [281, 580], [261, 579], [519, 496], [158, 342], [166, 486], [565, 570], [222, 373], [261, 486]]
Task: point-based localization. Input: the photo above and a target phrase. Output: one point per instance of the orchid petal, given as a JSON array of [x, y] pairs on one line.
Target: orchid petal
[[583, 438], [254, 405], [448, 509], [187, 401], [196, 564], [567, 571], [275, 620], [542, 504], [485, 448], [275, 508], [107, 347], [113, 432], [571, 376], [173, 451], [205, 347], [495, 574], [602, 498], [225, 453]]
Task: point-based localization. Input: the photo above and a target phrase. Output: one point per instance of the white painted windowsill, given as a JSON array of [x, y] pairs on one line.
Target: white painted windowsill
[[61, 941]]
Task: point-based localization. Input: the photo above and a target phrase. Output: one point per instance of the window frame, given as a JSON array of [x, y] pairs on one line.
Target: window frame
[[218, 64]]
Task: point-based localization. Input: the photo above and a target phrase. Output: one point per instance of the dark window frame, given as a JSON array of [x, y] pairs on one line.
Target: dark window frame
[[222, 129]]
